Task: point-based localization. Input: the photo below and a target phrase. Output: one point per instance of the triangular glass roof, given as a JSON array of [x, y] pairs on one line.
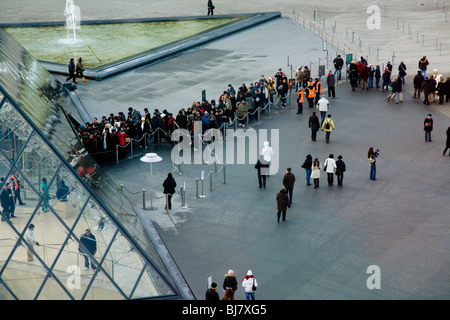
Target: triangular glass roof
[[39, 153]]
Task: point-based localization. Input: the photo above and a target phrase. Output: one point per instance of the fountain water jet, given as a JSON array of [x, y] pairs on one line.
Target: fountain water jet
[[72, 14]]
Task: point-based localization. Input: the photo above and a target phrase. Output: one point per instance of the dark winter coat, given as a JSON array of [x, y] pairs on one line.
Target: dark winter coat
[[169, 185], [282, 201], [289, 180], [313, 122], [308, 162], [230, 282], [340, 167], [447, 144], [418, 80], [428, 124]]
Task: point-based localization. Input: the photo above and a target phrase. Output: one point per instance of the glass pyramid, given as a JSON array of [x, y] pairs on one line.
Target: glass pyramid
[[39, 154]]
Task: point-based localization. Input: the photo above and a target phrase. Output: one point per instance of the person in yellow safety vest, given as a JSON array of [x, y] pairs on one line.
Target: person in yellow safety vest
[[309, 91], [300, 100], [317, 90]]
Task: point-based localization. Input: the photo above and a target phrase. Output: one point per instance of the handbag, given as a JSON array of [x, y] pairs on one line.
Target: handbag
[[253, 286]]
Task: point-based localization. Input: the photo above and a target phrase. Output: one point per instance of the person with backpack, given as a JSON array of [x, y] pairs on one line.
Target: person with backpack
[[328, 126]]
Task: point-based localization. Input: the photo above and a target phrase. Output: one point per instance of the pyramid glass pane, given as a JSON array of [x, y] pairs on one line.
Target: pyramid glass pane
[[36, 119]]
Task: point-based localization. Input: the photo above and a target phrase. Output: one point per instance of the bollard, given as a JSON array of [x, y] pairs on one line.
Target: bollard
[[210, 181], [224, 175], [117, 153], [121, 188], [258, 115], [246, 120], [131, 148], [215, 166], [143, 199], [196, 188], [183, 197]]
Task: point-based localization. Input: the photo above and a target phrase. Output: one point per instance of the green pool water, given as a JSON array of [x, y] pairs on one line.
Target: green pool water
[[103, 44]]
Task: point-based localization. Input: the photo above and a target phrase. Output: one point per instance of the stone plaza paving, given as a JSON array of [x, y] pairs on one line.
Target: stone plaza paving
[[332, 235]]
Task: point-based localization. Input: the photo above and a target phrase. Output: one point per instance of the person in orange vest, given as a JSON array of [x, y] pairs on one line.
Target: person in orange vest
[[309, 91], [300, 100], [16, 188], [317, 90]]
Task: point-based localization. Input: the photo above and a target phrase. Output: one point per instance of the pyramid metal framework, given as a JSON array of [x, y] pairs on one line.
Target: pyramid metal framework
[[39, 147]]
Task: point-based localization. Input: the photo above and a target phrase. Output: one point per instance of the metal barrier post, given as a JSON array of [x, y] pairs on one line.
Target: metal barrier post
[[210, 181], [224, 175], [121, 187], [196, 188], [143, 199], [117, 153]]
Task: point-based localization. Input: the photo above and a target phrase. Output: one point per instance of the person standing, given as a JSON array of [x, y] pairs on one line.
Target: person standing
[[340, 169], [262, 167], [371, 76], [87, 247], [298, 78], [79, 69], [45, 195], [17, 187], [307, 164], [314, 124], [317, 90], [315, 172], [447, 143], [442, 90], [230, 281], [300, 100], [328, 126], [330, 167], [169, 186], [331, 83], [402, 71], [7, 202], [428, 127], [282, 204], [322, 106], [372, 155], [228, 295], [364, 76], [250, 285], [309, 92], [417, 82], [72, 72], [211, 294], [423, 63], [211, 8], [29, 238], [288, 183], [338, 63]]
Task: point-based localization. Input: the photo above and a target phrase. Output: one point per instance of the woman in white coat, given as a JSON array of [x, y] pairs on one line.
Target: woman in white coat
[[267, 152], [315, 172], [330, 167], [250, 285]]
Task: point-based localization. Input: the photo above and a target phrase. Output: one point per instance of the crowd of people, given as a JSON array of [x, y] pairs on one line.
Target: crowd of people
[[230, 286]]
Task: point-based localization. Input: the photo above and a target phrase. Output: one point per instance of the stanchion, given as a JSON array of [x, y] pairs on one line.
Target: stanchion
[[224, 175], [196, 189], [210, 181], [183, 197], [143, 199]]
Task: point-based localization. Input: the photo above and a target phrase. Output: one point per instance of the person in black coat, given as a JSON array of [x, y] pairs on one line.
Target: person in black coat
[[169, 188], [340, 169], [211, 8], [428, 127], [142, 128], [63, 191], [307, 165], [88, 245], [72, 73], [211, 294], [417, 82], [314, 124], [7, 202], [262, 166], [230, 281]]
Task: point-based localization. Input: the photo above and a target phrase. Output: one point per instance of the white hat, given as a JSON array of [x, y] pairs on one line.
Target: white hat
[[249, 273]]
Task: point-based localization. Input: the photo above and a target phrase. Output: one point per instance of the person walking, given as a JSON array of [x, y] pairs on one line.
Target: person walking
[[377, 76], [79, 69], [402, 71], [314, 124], [372, 155], [169, 186], [328, 126], [331, 83], [447, 143], [428, 127], [45, 195], [340, 169], [72, 72], [250, 285], [315, 172], [88, 247], [7, 202], [307, 165], [29, 238], [17, 186], [211, 8], [230, 281], [262, 168], [309, 92], [288, 183], [282, 204], [329, 168], [338, 63], [211, 294]]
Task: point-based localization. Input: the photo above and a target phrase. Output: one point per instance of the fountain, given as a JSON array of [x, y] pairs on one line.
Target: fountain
[[72, 14]]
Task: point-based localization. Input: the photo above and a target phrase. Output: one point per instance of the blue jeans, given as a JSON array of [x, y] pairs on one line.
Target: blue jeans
[[370, 84], [373, 171], [308, 176], [338, 71], [424, 73], [290, 192], [427, 135], [250, 295]]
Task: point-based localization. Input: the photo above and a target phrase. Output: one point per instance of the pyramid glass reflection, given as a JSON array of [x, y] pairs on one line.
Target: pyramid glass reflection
[[39, 155]]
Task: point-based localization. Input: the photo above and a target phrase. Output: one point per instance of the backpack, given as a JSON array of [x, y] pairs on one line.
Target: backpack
[[327, 125]]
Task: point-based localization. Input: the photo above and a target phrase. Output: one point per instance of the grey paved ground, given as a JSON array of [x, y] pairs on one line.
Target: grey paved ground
[[331, 236]]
